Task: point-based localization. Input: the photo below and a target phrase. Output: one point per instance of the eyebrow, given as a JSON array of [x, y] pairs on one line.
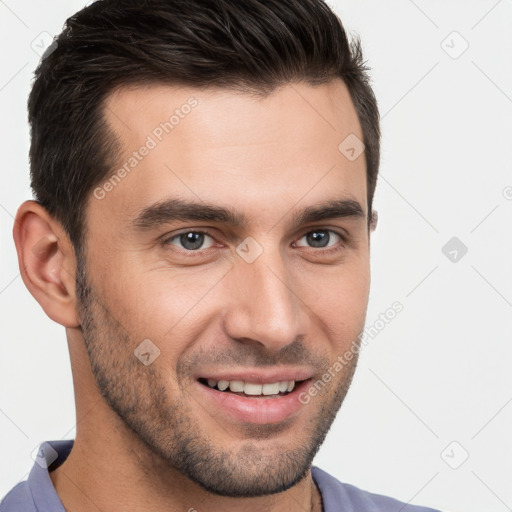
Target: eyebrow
[[172, 210]]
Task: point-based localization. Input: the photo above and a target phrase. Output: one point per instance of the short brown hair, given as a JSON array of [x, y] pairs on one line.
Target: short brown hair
[[245, 45]]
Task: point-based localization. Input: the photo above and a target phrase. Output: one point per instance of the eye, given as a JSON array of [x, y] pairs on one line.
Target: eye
[[190, 240], [322, 238]]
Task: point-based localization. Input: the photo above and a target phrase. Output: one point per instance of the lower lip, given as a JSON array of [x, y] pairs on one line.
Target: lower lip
[[259, 410]]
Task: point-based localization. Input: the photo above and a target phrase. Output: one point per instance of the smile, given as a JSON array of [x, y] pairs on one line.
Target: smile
[[251, 388], [252, 402]]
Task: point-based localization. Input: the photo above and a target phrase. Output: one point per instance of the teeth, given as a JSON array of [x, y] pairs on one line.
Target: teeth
[[237, 386], [270, 389], [253, 389], [223, 384]]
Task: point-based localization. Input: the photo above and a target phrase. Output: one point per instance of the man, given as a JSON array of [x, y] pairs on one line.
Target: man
[[204, 175]]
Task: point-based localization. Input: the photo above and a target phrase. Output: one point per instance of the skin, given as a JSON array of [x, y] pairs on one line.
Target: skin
[[143, 431]]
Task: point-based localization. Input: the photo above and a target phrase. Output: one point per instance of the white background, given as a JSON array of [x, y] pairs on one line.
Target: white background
[[440, 371]]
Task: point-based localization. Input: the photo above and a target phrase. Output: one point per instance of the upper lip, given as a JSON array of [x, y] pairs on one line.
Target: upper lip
[[259, 376]]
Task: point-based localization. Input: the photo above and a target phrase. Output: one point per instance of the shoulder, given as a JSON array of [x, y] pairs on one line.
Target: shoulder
[[18, 499], [339, 496]]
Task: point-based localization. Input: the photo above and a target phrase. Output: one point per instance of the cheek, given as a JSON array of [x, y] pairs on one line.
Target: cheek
[[339, 302], [161, 304], [170, 306]]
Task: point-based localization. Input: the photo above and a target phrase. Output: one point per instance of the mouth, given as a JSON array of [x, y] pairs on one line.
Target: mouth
[[250, 402], [252, 389]]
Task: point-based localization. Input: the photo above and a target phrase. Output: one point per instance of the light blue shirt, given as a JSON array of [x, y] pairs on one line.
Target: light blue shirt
[[37, 493]]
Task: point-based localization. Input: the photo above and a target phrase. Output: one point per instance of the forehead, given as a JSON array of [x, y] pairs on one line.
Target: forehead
[[259, 154]]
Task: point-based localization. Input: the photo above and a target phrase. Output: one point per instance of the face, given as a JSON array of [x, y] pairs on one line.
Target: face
[[232, 252]]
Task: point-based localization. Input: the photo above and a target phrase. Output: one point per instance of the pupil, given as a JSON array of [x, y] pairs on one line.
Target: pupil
[[318, 238], [191, 240]]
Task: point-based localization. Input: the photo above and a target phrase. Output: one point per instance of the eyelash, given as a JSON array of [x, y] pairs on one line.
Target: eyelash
[[193, 253]]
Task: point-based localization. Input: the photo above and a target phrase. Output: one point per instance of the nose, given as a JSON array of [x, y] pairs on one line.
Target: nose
[[265, 305]]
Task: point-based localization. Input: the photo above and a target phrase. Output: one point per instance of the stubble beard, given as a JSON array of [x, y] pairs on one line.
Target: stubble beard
[[168, 428]]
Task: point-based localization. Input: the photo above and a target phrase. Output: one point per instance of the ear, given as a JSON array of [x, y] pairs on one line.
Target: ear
[[47, 262], [373, 220]]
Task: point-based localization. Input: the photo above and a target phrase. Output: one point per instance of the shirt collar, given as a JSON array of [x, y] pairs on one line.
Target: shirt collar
[[51, 454]]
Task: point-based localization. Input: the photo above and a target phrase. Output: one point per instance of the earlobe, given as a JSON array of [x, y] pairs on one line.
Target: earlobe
[[47, 262]]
